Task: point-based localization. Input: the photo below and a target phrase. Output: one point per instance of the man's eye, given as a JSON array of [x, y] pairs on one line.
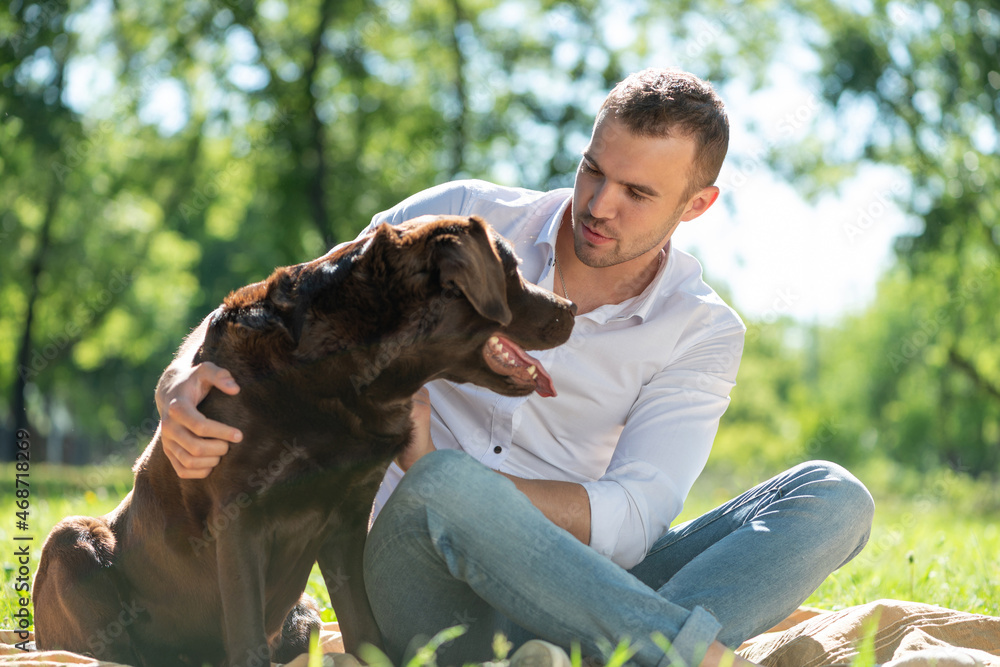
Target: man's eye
[[587, 168], [635, 195]]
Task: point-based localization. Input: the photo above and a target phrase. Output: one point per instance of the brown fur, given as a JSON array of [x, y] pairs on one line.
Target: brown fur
[[327, 355]]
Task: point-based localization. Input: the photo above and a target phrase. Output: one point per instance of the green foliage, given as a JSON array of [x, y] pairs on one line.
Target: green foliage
[[911, 378], [917, 374], [932, 539], [156, 156]]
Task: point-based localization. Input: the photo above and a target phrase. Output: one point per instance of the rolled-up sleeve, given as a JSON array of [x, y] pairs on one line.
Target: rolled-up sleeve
[[662, 449]]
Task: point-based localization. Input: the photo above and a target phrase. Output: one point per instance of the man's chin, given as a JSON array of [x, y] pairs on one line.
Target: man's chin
[[597, 257]]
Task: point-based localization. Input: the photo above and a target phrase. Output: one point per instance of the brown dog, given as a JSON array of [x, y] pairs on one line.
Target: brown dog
[[328, 354]]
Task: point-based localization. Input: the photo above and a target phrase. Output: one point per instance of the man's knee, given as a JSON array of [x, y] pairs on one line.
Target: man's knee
[[848, 498], [447, 478]]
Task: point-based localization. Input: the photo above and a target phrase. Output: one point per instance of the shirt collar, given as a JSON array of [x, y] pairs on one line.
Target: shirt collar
[[638, 306], [547, 235]]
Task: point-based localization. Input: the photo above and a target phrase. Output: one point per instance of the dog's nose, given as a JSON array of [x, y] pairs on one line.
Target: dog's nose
[[572, 308]]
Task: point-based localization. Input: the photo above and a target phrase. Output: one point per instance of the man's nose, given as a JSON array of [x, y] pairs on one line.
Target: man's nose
[[601, 204]]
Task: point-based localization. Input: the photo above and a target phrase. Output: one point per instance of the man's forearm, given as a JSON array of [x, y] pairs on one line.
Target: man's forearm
[[566, 504]]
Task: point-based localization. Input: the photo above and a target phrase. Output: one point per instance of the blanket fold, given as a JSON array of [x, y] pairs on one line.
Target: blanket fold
[[900, 634]]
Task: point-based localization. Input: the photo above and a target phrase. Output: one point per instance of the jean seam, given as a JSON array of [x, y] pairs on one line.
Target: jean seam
[[495, 583], [779, 490], [765, 492]]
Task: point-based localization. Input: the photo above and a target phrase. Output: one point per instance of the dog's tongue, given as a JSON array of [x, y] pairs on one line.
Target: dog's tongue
[[506, 357]]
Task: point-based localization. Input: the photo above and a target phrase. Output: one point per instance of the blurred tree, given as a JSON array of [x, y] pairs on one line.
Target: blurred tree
[[925, 77], [154, 156]]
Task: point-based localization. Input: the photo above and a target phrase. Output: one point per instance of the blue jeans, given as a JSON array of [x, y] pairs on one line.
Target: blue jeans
[[458, 544]]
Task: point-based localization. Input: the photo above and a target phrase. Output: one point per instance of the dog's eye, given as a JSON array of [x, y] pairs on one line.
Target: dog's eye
[[256, 316]]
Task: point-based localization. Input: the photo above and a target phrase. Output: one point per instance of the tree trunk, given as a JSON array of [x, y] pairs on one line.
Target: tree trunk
[[315, 189], [457, 161], [24, 368]]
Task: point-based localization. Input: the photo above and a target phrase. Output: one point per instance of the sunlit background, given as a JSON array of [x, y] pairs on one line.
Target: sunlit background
[[776, 252], [154, 156]]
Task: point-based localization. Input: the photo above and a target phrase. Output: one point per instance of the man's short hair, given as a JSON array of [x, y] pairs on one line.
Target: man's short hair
[[659, 102]]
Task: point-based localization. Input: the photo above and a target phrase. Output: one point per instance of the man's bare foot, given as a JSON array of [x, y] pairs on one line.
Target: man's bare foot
[[720, 656]]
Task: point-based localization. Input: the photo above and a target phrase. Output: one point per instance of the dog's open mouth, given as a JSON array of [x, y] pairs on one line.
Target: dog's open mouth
[[505, 357]]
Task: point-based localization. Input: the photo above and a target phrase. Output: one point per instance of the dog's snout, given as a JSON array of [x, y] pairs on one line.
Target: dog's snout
[[572, 308]]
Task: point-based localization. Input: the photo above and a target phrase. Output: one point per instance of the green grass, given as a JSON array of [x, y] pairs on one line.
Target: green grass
[[933, 540], [61, 491]]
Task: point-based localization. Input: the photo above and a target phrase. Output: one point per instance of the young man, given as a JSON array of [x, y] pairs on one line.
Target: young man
[[571, 541]]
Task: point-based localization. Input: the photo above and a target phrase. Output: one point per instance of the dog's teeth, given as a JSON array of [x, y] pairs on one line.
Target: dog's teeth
[[506, 357], [532, 371], [493, 341]]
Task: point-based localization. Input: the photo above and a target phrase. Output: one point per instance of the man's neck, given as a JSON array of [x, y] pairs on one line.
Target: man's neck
[[589, 287]]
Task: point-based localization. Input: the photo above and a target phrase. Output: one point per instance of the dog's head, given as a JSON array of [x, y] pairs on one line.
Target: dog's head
[[438, 296]]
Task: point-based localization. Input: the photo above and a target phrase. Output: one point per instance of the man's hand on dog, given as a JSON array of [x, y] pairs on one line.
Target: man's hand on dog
[[420, 439], [193, 443]]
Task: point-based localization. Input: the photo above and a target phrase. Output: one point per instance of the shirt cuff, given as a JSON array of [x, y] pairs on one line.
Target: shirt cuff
[[617, 531], [690, 645], [608, 501]]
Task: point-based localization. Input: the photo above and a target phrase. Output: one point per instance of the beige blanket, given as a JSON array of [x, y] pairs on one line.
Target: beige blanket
[[909, 634]]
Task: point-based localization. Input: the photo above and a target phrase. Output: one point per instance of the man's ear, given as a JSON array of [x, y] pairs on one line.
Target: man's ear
[[700, 202], [471, 263]]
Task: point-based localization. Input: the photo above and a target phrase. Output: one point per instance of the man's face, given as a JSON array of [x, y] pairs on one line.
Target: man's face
[[629, 194]]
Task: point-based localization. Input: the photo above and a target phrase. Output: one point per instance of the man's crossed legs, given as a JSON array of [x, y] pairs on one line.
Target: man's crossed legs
[[458, 544]]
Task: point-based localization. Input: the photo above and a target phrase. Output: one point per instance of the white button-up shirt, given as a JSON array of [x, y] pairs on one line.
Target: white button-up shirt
[[641, 384]]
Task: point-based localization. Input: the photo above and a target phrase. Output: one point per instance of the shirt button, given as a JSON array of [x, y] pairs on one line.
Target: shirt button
[[497, 449]]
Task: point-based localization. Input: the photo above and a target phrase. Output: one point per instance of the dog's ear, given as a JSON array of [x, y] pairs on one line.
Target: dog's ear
[[471, 263], [289, 307], [269, 305]]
